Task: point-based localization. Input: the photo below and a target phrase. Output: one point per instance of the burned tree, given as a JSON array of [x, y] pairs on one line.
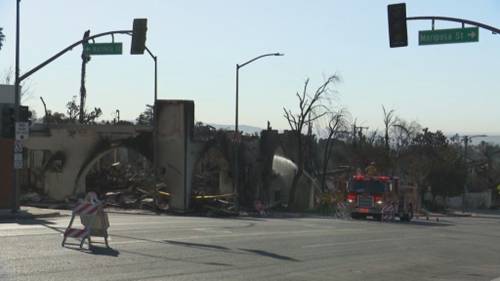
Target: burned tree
[[403, 134], [74, 111], [299, 121], [337, 124], [73, 114], [389, 121]]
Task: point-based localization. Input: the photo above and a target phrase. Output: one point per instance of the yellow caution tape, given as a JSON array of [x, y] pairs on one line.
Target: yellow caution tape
[[213, 196], [164, 193]]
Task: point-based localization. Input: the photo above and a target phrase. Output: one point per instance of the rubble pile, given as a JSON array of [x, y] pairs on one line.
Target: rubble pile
[[135, 187], [129, 186], [214, 205], [206, 182]]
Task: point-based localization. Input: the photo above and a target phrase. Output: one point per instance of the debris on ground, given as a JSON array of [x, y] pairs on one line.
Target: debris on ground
[[214, 205], [130, 186], [139, 196], [31, 197]]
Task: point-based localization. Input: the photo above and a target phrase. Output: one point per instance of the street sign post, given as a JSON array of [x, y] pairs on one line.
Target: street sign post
[[18, 146], [104, 48], [22, 130], [448, 36], [18, 161]]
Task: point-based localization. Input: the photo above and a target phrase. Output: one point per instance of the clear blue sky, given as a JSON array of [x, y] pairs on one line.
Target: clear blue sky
[[449, 87]]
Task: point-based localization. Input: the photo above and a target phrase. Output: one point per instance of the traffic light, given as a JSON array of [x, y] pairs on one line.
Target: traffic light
[[139, 36], [24, 114], [8, 122], [398, 36]]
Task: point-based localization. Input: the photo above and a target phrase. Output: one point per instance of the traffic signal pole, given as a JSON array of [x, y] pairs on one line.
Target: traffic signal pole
[[69, 48], [459, 20], [396, 14], [138, 41], [19, 79]]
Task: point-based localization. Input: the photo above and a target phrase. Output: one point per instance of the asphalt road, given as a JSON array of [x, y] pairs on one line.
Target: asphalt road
[[146, 247]]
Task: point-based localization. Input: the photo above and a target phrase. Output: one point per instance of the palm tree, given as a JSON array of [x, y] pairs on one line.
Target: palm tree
[[2, 37]]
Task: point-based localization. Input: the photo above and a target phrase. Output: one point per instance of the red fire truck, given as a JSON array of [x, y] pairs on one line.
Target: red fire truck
[[379, 197]]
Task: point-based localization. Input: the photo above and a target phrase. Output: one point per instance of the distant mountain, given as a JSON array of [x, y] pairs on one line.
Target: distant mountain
[[246, 129]]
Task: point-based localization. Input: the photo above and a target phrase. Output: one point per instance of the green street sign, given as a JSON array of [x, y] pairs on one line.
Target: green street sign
[[103, 48], [448, 36]]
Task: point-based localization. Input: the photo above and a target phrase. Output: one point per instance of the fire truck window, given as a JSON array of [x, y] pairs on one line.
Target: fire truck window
[[368, 186]]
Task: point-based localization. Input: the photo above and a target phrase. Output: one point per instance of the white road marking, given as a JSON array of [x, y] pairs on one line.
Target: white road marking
[[211, 230], [193, 237], [394, 239], [224, 236]]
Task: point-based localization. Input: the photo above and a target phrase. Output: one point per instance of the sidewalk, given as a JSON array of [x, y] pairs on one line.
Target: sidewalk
[[30, 213], [455, 213]]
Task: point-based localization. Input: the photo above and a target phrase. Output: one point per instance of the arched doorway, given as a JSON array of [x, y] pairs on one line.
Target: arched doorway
[[112, 166], [117, 169]]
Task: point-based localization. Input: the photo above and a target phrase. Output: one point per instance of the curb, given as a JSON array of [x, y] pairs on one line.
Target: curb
[[143, 213], [27, 216], [459, 215]]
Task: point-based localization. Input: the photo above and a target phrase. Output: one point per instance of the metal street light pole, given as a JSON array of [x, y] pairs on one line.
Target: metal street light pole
[[466, 145], [17, 100], [155, 119], [236, 129]]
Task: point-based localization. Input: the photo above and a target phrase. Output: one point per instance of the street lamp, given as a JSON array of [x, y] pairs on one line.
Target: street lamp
[[155, 59], [236, 131], [466, 140], [155, 121]]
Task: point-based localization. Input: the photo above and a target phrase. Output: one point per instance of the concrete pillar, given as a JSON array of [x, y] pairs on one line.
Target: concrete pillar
[[269, 141], [175, 131]]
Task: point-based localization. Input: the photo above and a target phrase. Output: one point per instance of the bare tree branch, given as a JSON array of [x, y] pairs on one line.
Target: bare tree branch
[[45, 110], [310, 109]]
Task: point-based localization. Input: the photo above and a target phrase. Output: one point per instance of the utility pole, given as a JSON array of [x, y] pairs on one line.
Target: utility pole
[[237, 137], [116, 120], [466, 143], [17, 101], [83, 90], [355, 130], [466, 140]]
